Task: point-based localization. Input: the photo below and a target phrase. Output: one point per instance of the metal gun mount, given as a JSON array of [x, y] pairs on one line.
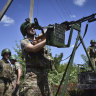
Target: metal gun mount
[[56, 35]]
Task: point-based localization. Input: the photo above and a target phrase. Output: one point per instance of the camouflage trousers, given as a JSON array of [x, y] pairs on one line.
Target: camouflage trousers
[[5, 89], [35, 84]]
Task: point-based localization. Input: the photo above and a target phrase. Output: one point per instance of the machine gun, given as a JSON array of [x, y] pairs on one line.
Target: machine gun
[[56, 33]]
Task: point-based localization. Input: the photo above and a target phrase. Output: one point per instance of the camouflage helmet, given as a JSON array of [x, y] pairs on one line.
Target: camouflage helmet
[[92, 41], [13, 58], [24, 27], [6, 50]]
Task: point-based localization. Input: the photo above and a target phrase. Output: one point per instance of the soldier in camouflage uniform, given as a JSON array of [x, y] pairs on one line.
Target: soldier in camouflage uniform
[[6, 76], [92, 52], [17, 74], [36, 64]]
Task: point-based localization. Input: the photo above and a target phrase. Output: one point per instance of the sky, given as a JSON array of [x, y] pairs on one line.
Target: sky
[[47, 12]]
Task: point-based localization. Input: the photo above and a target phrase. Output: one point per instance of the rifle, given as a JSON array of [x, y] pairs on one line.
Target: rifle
[[15, 91]]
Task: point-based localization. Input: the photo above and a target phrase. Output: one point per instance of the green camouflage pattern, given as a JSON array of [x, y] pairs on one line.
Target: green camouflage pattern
[[29, 86], [35, 84], [92, 53], [6, 71], [23, 28], [5, 89], [15, 68], [36, 66], [6, 50], [39, 59], [6, 76]]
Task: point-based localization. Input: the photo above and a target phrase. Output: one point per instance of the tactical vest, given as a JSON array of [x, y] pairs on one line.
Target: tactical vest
[[92, 52], [6, 71], [36, 60]]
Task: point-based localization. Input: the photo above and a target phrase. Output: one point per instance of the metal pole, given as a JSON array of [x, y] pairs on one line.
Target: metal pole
[[31, 10], [90, 64], [70, 65], [5, 9]]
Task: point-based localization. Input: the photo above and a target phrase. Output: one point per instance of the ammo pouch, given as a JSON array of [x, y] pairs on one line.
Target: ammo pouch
[[47, 63], [38, 60]]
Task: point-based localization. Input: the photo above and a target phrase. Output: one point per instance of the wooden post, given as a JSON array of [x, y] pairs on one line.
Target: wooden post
[[31, 10], [5, 9]]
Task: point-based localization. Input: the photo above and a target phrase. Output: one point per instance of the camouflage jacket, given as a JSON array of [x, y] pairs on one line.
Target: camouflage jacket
[[92, 51], [34, 60], [6, 70]]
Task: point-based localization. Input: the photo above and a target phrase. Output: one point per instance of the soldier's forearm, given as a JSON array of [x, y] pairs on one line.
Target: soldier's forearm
[[39, 46], [35, 48], [19, 75]]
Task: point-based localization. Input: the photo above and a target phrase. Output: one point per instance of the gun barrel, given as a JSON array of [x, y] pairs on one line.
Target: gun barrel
[[46, 27], [87, 18]]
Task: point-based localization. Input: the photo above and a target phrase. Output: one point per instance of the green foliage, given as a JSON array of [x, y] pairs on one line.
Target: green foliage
[[56, 75], [74, 74], [19, 58], [57, 60], [86, 61], [85, 58]]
